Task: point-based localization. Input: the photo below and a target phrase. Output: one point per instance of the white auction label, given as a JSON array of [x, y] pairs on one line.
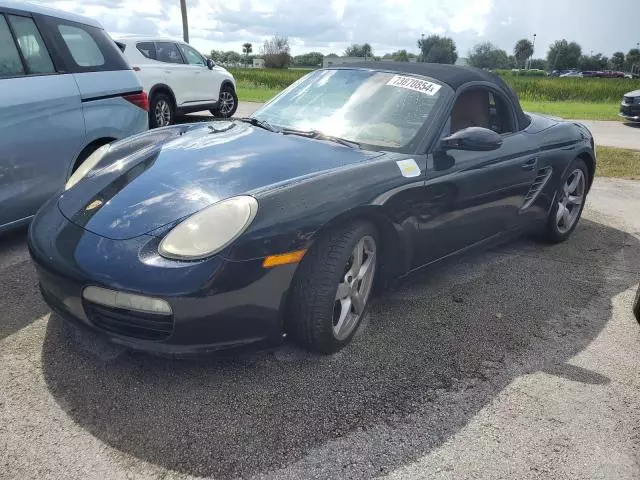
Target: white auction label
[[415, 84]]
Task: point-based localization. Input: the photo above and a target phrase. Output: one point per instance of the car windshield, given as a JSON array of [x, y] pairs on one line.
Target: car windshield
[[373, 109]]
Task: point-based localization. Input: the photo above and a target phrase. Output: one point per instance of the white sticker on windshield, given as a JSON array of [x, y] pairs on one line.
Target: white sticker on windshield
[[408, 168], [415, 84]]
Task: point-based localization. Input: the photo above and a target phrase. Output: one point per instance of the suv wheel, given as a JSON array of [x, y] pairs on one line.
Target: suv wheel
[[227, 102], [161, 111]]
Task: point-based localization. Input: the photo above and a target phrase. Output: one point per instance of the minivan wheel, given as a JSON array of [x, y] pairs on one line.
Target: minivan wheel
[[227, 103], [161, 111]]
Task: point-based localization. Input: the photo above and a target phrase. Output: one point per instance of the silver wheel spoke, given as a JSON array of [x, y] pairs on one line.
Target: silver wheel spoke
[[344, 290], [574, 199], [357, 302], [345, 310], [560, 214], [358, 253]]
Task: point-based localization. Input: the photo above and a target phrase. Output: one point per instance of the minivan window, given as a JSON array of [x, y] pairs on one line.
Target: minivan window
[[32, 46], [192, 56], [168, 52], [10, 63], [148, 49], [83, 48]]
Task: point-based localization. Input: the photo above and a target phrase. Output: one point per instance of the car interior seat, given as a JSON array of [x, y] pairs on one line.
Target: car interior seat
[[471, 110]]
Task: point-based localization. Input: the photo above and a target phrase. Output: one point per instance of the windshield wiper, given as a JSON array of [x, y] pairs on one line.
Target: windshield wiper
[[259, 123], [318, 135]]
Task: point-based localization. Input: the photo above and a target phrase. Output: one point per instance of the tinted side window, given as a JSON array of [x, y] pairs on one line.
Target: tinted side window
[[32, 46], [10, 63], [148, 49], [168, 52], [83, 47]]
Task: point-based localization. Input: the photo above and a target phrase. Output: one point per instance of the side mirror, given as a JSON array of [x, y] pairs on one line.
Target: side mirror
[[476, 139], [210, 64]]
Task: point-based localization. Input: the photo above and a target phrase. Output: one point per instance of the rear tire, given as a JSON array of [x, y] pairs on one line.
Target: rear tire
[[568, 203], [161, 111], [332, 288], [227, 102]]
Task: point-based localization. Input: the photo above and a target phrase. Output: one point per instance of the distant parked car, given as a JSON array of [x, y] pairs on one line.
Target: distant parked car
[[636, 305], [572, 74], [179, 79], [630, 106], [65, 91]]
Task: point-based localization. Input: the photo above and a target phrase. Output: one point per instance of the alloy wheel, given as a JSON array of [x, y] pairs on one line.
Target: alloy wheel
[[354, 288], [226, 102], [570, 201], [162, 113]]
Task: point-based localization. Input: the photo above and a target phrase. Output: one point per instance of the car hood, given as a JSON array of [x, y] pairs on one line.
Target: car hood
[[153, 179], [635, 93]]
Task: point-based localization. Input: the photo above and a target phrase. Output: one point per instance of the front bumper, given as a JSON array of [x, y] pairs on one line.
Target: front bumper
[[630, 111], [215, 303]]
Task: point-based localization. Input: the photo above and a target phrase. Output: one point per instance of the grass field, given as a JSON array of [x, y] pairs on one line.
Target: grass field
[[618, 162], [577, 110], [581, 98]]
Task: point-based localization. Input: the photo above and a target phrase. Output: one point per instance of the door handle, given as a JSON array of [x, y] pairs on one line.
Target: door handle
[[530, 164]]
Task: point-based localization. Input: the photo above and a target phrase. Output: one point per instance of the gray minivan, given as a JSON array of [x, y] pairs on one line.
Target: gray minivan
[[65, 90]]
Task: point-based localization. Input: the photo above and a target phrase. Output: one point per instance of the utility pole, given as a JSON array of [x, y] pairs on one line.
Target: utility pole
[[185, 23], [532, 50]]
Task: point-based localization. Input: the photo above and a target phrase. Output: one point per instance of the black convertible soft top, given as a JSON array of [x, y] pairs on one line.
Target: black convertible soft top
[[452, 75]]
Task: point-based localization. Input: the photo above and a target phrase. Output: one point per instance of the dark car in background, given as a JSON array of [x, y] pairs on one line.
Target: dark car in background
[[630, 106], [636, 305]]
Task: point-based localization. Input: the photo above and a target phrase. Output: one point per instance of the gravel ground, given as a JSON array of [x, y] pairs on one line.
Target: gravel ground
[[521, 362]]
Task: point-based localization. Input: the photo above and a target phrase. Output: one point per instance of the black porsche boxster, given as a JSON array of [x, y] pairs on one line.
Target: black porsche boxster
[[203, 236]]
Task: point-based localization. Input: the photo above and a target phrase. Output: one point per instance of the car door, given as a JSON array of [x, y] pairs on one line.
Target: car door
[[41, 119], [476, 195], [179, 76], [202, 80]]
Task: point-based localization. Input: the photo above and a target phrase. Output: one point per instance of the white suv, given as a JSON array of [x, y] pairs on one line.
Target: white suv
[[178, 79]]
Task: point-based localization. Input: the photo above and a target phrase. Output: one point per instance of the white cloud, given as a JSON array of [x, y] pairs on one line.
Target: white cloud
[[387, 24]]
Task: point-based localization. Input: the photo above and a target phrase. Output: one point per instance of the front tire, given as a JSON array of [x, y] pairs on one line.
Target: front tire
[[332, 288], [227, 102], [161, 111], [568, 203]]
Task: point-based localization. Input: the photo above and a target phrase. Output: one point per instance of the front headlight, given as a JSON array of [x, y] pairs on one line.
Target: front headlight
[[86, 166], [210, 230]]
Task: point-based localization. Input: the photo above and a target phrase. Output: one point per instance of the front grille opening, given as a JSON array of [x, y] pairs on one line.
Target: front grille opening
[[129, 323]]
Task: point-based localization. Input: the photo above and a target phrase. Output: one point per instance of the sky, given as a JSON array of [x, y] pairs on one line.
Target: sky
[[388, 25]]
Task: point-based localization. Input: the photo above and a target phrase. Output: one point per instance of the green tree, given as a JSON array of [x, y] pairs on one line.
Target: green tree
[[617, 61], [522, 51], [311, 59], [332, 55], [563, 55], [357, 50], [437, 49], [538, 63], [218, 56], [399, 56], [487, 55], [232, 57], [632, 60], [275, 52], [593, 62], [247, 48]]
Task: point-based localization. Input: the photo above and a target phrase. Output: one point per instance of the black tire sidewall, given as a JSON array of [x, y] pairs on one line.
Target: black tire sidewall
[[313, 272], [230, 89], [152, 109], [553, 234]]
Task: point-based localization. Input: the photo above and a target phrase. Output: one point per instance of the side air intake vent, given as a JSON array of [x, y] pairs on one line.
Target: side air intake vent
[[544, 174]]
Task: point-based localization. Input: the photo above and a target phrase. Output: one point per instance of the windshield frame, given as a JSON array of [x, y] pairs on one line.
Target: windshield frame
[[417, 144]]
